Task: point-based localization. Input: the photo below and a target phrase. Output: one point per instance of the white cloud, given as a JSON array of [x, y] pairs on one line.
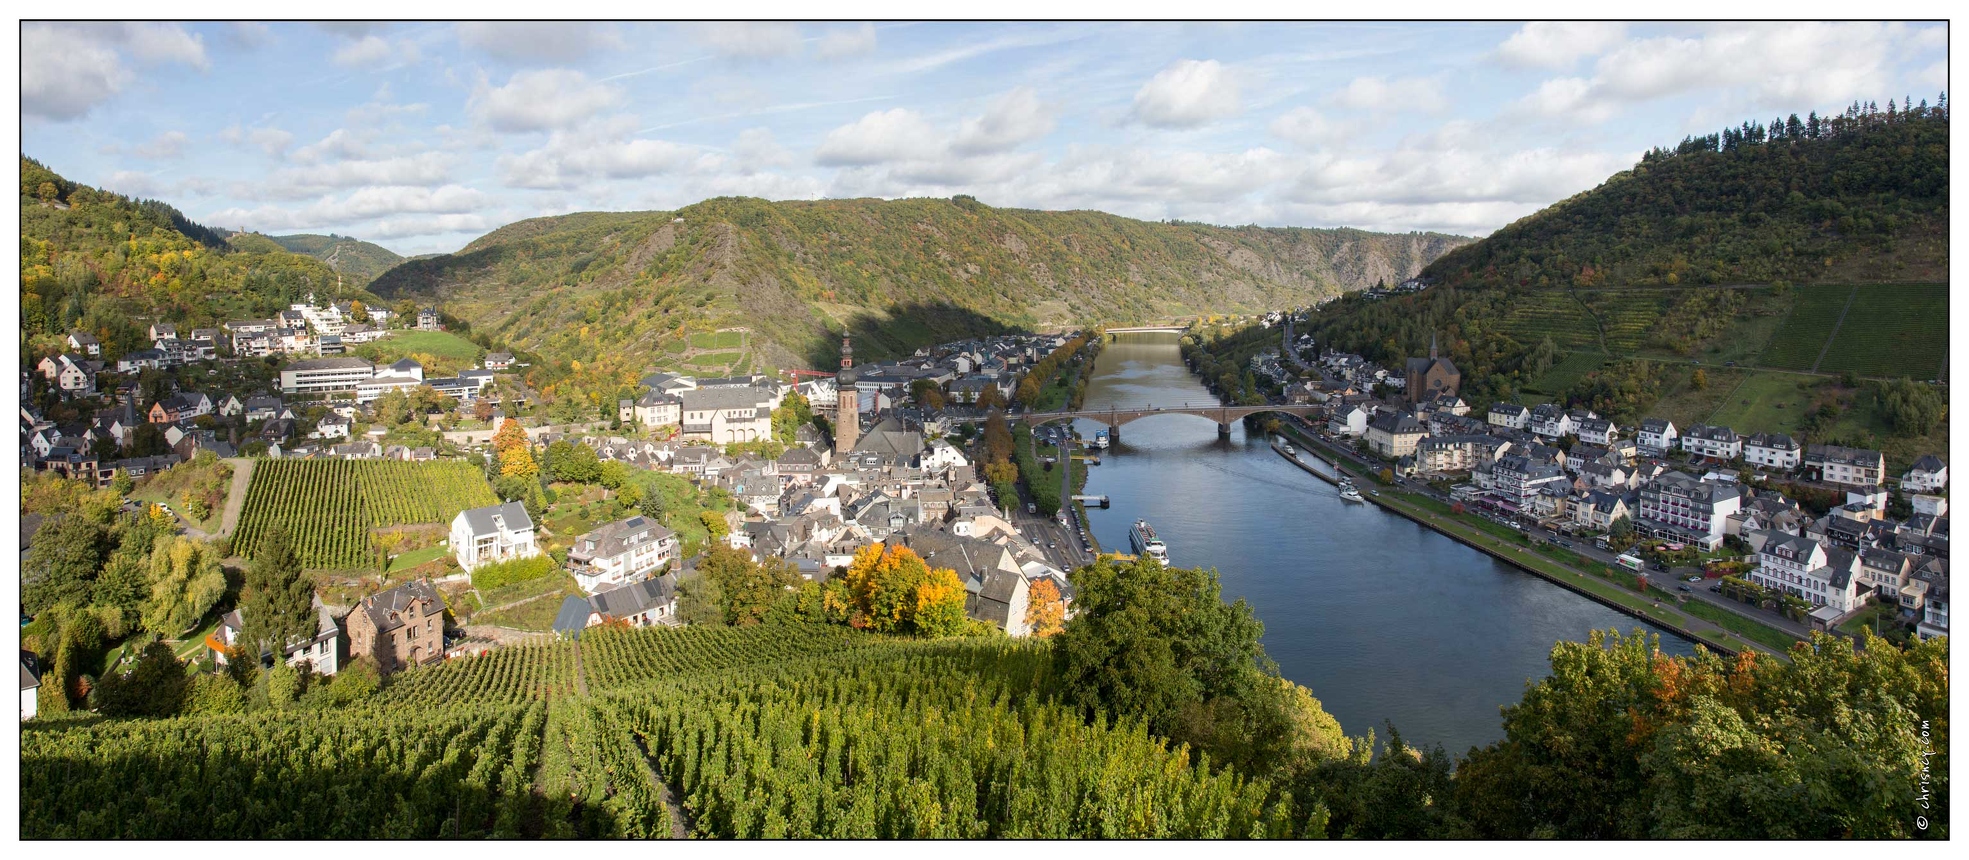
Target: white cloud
[[425, 169], [601, 150], [542, 99], [1383, 94], [375, 52], [753, 40], [427, 225], [249, 35], [1187, 94], [845, 42], [539, 41], [363, 204], [338, 145], [1011, 118], [1791, 66], [1558, 44], [899, 134], [170, 144], [1307, 127], [69, 69], [132, 184], [273, 141], [756, 149]]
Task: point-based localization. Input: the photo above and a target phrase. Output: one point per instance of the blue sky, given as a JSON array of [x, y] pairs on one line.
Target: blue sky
[[423, 136]]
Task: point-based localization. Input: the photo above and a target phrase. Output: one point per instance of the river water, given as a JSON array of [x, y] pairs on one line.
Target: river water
[[1382, 619]]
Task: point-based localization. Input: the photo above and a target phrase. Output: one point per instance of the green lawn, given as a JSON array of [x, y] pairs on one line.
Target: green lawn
[[717, 340], [1766, 403], [442, 344], [416, 557], [1798, 342], [1763, 634], [714, 359], [1893, 330]]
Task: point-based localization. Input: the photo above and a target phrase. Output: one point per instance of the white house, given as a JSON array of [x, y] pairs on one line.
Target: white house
[[403, 374], [1837, 464], [942, 456], [1551, 421], [322, 652], [1596, 430], [620, 553], [1929, 475], [723, 416], [1348, 421], [1773, 451], [85, 343], [1677, 507], [495, 533], [30, 688], [325, 374], [1705, 440], [657, 408], [1656, 437], [1805, 568], [1512, 415]]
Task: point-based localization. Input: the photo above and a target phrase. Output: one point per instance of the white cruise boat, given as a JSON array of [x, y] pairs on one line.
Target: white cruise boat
[[1349, 492], [1142, 536]]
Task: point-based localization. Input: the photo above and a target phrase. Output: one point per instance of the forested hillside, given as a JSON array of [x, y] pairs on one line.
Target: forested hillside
[[357, 261], [110, 265], [1860, 197], [1790, 262], [621, 291]]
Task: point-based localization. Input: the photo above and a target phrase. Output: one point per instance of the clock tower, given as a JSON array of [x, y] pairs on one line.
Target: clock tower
[[847, 409]]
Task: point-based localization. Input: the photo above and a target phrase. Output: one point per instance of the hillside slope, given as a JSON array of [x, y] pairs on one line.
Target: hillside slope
[[358, 262], [109, 265], [623, 290], [1859, 198]]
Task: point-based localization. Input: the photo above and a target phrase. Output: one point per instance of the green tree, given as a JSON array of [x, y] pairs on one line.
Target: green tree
[[277, 606], [155, 686], [699, 601], [63, 563], [212, 695], [747, 588], [714, 523], [185, 580]]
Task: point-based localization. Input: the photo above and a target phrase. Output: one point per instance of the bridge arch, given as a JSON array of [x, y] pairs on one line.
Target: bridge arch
[[1117, 417]]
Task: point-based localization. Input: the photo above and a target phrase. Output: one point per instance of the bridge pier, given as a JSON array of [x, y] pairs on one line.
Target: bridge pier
[[1223, 430], [1114, 435]]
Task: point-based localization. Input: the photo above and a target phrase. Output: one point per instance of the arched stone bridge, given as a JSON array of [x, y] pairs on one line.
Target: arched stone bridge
[[1116, 416]]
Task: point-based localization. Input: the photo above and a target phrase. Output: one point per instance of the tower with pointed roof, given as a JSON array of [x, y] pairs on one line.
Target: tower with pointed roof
[[847, 409]]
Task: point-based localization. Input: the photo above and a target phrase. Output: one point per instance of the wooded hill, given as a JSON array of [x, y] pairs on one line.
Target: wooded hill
[[623, 290], [109, 264], [1856, 198], [1781, 257], [358, 262]]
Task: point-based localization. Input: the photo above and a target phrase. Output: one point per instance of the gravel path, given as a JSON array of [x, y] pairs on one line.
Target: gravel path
[[242, 472]]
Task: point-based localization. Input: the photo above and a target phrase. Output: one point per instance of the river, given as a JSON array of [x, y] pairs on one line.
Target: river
[[1384, 620]]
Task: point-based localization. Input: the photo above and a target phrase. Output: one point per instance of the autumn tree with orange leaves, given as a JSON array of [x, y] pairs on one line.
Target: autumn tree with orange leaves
[[889, 589], [1045, 612]]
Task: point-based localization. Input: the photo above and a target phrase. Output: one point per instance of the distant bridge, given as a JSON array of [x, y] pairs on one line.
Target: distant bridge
[[1176, 328], [1116, 416]]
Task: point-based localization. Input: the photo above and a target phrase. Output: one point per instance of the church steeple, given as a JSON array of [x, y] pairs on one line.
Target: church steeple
[[1432, 346], [847, 408]]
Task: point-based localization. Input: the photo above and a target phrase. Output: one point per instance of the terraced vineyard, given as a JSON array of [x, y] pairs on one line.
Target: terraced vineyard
[[327, 507], [1627, 317], [1892, 330], [1798, 342], [1554, 314], [785, 729]]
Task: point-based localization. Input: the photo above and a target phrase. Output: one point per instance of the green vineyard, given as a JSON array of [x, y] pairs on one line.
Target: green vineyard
[[327, 507], [1813, 313], [785, 729], [1893, 330]]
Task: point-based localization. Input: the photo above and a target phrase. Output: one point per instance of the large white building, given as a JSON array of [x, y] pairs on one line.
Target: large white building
[[722, 416], [495, 533], [1854, 467], [1773, 451], [1706, 440], [320, 375], [405, 373], [620, 553], [1675, 506], [1928, 475], [1656, 436], [1805, 568]]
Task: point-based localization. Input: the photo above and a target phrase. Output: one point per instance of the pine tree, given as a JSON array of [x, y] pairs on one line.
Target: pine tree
[[279, 604]]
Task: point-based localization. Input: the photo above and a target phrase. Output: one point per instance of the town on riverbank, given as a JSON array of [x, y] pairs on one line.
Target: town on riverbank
[[1734, 540]]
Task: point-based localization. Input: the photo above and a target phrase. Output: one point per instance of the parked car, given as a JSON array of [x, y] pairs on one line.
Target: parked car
[[1696, 578], [1683, 588], [1564, 543]]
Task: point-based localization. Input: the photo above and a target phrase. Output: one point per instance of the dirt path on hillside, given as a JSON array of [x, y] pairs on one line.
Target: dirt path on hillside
[[242, 474]]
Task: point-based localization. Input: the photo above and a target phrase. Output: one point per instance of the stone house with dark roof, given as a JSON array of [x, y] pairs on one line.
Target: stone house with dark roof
[[399, 628]]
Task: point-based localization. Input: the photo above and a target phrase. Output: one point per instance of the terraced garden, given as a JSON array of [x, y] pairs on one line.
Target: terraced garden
[[1893, 330], [327, 507], [1552, 314]]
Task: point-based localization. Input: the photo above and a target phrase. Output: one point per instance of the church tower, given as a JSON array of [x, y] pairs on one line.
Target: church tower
[[847, 410]]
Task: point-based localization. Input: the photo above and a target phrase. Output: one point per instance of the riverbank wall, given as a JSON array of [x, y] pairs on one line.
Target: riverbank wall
[[1310, 446]]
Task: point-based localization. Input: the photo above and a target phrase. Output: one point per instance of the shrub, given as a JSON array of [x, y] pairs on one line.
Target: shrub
[[501, 573]]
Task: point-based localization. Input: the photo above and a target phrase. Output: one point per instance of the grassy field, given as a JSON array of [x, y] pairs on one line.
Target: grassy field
[[1760, 633], [1566, 373], [1814, 312], [537, 614], [714, 359], [717, 340], [1766, 403], [442, 344], [416, 557], [1893, 330]]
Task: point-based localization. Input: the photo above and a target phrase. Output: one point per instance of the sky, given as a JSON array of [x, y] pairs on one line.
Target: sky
[[423, 136]]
